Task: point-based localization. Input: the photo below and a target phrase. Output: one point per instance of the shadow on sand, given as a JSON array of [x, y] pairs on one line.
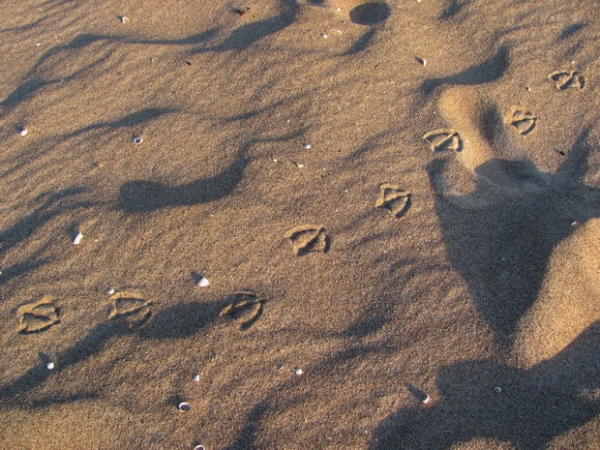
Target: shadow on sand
[[528, 408]]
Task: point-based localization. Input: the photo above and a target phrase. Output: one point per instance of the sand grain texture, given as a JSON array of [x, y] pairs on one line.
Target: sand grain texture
[[473, 279]]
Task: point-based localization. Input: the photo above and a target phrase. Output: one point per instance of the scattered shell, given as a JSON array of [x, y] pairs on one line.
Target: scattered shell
[[50, 366], [110, 291], [184, 406], [196, 378], [203, 282], [138, 140], [421, 61], [298, 371], [307, 146], [426, 400], [498, 389], [77, 239], [199, 447], [298, 165], [324, 36], [124, 19], [23, 132]]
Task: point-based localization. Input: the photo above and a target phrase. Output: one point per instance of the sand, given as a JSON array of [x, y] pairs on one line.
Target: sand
[[345, 225]]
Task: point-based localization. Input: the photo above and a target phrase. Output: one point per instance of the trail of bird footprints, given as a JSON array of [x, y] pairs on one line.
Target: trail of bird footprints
[[245, 308], [38, 316], [523, 121], [308, 238], [443, 139], [395, 200], [131, 309], [567, 80]]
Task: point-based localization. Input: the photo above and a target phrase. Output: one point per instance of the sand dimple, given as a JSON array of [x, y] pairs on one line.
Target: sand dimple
[[38, 316], [370, 13]]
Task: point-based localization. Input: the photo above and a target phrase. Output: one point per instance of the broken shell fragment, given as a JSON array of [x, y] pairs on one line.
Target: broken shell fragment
[[184, 407], [77, 239], [203, 282], [421, 61], [124, 19], [23, 132], [138, 140], [50, 366], [298, 371]]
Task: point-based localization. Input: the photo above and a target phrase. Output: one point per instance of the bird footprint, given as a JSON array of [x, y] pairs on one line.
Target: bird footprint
[[395, 200], [38, 316], [567, 80], [130, 308], [443, 139], [308, 238], [523, 121], [245, 308]]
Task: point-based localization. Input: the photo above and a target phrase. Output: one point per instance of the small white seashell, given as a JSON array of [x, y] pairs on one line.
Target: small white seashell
[[300, 166], [184, 407], [421, 61], [110, 291], [196, 378], [77, 239], [124, 19], [307, 146], [324, 35], [298, 371], [199, 447], [426, 400], [23, 132], [50, 366], [498, 389], [138, 140], [203, 282]]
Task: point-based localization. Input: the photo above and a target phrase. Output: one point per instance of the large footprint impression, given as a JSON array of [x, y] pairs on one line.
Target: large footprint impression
[[501, 217]]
